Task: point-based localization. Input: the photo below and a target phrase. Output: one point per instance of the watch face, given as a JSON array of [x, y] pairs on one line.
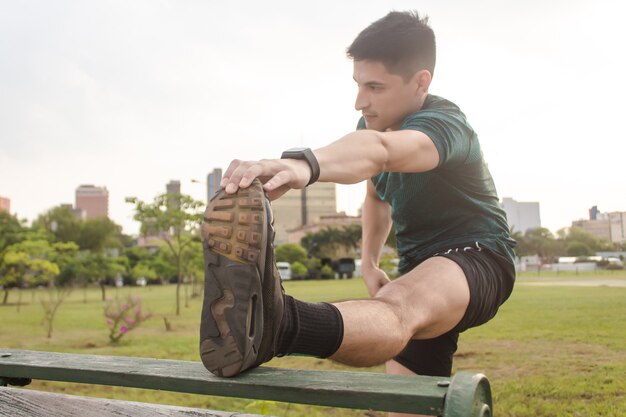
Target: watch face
[[298, 149]]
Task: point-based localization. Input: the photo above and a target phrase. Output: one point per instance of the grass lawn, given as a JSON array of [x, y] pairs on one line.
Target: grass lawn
[[551, 351]]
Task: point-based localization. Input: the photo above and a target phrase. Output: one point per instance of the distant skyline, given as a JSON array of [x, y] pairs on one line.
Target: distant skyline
[[131, 95]]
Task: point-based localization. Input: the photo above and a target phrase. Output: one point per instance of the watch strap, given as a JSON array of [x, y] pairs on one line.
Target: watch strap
[[307, 155]]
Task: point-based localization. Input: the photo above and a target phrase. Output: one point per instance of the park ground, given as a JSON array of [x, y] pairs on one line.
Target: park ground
[[556, 348]]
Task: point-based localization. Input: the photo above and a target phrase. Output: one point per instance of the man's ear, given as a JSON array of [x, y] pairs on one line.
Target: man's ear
[[422, 80]]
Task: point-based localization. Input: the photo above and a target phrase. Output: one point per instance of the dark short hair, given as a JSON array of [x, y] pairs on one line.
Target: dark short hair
[[402, 41]]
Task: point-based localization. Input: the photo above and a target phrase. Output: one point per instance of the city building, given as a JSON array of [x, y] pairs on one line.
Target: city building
[[598, 228], [298, 208], [94, 201], [337, 221], [80, 214], [213, 180], [609, 226], [173, 187], [5, 204], [521, 216]]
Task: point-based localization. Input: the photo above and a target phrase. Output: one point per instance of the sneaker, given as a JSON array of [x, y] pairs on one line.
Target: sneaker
[[243, 296]]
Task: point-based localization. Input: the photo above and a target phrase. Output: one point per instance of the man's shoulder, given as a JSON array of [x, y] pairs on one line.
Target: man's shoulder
[[436, 105], [436, 111]]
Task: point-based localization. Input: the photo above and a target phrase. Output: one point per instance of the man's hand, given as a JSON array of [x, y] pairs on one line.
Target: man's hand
[[277, 175], [375, 279]]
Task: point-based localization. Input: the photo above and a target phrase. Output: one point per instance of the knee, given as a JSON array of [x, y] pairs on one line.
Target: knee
[[395, 304]]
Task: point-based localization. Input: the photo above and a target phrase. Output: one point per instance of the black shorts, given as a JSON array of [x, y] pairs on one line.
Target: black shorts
[[490, 277]]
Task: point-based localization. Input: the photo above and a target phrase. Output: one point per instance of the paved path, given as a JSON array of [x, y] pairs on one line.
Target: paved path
[[577, 283]]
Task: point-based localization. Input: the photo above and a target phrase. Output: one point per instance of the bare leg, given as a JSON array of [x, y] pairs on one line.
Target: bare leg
[[393, 367], [424, 303]]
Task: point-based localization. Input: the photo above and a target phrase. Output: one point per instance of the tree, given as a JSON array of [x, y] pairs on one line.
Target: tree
[[81, 270], [136, 254], [36, 262], [11, 230], [322, 244], [578, 249], [104, 268], [580, 235], [99, 234], [174, 218], [350, 237], [12, 271], [61, 223], [290, 252], [65, 256], [162, 264], [27, 263], [298, 270], [143, 270], [326, 242], [93, 234], [193, 267], [541, 242]]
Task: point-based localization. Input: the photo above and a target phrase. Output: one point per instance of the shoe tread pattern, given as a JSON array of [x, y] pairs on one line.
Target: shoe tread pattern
[[233, 228], [233, 225]]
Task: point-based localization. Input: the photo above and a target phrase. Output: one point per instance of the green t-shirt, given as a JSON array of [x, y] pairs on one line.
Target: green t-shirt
[[456, 204]]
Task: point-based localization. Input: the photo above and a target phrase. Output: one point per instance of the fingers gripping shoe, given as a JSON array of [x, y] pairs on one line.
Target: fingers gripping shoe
[[243, 296]]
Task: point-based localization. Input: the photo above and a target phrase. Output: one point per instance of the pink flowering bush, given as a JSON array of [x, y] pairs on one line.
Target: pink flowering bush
[[121, 318]]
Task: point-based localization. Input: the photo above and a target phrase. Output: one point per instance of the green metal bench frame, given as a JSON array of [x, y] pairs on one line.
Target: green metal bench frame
[[465, 395]]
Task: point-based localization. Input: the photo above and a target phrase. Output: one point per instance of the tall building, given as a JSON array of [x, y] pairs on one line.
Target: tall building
[[607, 226], [213, 183], [521, 216], [617, 229], [5, 204], [94, 201], [172, 188], [298, 208]]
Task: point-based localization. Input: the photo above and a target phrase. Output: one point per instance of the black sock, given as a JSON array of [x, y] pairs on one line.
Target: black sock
[[314, 329]]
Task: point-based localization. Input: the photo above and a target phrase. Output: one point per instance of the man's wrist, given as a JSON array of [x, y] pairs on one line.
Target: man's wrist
[[306, 155], [368, 266]]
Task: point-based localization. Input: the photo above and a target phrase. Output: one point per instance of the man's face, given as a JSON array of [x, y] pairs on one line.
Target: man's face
[[384, 99]]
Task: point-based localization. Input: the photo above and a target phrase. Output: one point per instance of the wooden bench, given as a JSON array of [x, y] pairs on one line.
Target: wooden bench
[[465, 395]]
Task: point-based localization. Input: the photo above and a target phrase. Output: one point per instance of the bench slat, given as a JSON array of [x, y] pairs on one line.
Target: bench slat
[[19, 402], [359, 390]]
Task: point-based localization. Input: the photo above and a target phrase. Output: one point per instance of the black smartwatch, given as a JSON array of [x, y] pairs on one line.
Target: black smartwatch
[[305, 154]]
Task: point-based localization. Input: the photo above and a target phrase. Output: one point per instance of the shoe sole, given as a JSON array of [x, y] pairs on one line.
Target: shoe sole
[[234, 232]]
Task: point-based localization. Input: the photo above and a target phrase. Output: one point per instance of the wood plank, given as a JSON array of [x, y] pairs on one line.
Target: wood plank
[[19, 402], [358, 390]]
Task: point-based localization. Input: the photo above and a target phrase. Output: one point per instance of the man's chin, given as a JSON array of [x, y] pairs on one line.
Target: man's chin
[[375, 126]]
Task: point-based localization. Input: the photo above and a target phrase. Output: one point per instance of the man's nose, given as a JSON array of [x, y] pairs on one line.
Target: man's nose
[[362, 102]]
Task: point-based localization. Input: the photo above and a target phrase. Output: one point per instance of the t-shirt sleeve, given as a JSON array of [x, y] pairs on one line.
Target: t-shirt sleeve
[[361, 124], [451, 134]]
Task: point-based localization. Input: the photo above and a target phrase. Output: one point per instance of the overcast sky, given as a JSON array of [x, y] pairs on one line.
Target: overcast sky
[[131, 94]]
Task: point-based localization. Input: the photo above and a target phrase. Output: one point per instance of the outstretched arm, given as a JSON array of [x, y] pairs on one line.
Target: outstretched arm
[[351, 159], [376, 227]]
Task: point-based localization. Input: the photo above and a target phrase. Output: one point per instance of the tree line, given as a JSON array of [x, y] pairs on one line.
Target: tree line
[[573, 241], [60, 252]]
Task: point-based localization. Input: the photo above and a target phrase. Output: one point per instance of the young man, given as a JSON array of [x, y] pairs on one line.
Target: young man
[[425, 173]]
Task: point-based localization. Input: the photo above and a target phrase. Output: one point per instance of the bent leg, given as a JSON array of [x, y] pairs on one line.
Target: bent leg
[[425, 303], [431, 357], [394, 368]]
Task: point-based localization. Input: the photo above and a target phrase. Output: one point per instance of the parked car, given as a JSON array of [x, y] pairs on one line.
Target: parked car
[[615, 263], [284, 268], [345, 267]]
